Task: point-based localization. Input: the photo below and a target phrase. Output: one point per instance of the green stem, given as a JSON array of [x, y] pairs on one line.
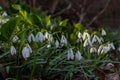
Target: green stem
[[33, 69]]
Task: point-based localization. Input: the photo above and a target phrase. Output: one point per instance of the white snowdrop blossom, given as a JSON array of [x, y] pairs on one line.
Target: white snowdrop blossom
[[46, 35], [87, 42], [56, 43], [103, 32], [100, 49], [102, 40], [39, 37], [49, 45], [15, 39], [86, 36], [95, 39], [49, 37], [28, 46], [63, 40], [105, 49], [111, 45], [78, 55], [119, 49], [4, 14], [31, 38], [93, 50], [70, 54], [26, 53], [79, 35], [12, 50]]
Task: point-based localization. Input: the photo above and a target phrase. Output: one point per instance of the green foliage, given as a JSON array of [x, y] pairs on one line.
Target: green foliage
[[46, 60]]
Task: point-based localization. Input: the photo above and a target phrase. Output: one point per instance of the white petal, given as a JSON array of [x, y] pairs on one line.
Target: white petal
[[31, 38], [12, 50], [78, 55], [39, 37], [103, 32], [56, 43], [86, 36], [28, 46], [85, 43], [25, 53], [63, 40], [70, 54], [112, 46], [79, 35], [15, 38], [100, 49]]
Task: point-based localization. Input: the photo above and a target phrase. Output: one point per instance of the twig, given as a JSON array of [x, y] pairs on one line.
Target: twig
[[94, 18], [62, 11]]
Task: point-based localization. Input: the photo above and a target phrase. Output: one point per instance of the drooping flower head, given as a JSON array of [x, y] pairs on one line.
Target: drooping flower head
[[13, 50], [78, 55], [39, 37], [31, 38], [70, 54]]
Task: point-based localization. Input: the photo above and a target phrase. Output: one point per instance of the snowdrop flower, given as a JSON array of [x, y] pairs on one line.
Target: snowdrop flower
[[39, 37], [12, 50], [78, 55], [100, 49], [4, 14], [49, 45], [95, 39], [26, 53], [46, 35], [86, 35], [31, 38], [28, 46], [103, 32], [105, 49], [79, 35], [49, 37], [93, 50], [56, 43], [87, 42], [70, 54], [63, 40], [14, 39], [111, 45], [119, 49]]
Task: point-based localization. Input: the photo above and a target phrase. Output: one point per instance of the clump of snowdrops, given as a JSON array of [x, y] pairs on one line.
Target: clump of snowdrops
[[40, 46]]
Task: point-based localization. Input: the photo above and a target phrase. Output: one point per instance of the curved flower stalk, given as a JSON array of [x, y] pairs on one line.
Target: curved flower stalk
[[15, 39], [93, 50], [70, 54], [63, 40], [13, 50], [103, 32], [86, 36], [31, 38], [39, 37], [78, 55]]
